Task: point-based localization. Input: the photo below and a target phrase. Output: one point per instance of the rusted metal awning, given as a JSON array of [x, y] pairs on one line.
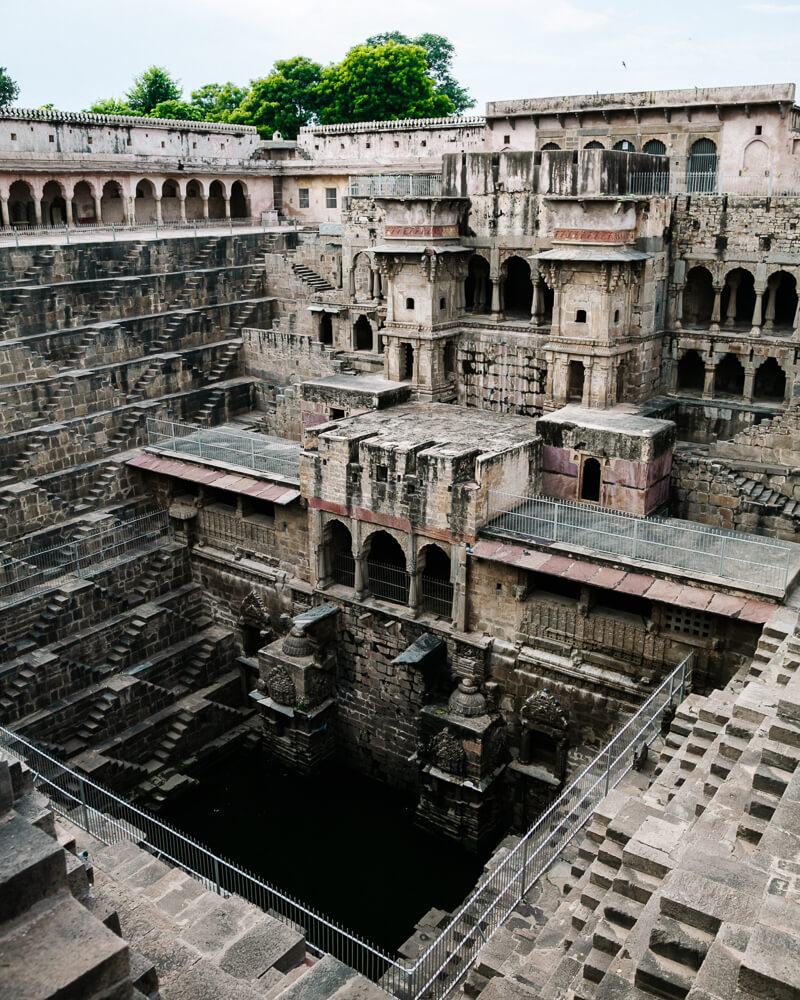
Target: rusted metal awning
[[625, 582], [220, 480]]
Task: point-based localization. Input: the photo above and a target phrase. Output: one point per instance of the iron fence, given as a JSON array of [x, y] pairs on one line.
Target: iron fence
[[245, 449], [436, 973], [396, 186], [235, 532], [697, 549], [388, 583], [437, 595], [344, 569], [712, 182], [42, 569]]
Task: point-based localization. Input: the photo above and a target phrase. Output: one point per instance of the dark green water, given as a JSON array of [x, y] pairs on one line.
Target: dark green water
[[340, 843]]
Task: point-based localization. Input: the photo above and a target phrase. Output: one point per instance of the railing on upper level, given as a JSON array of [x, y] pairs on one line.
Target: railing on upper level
[[711, 182], [396, 186], [439, 970], [42, 569], [696, 549], [244, 449]]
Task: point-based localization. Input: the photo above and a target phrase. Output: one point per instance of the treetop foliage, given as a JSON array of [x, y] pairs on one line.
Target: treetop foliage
[[9, 89], [387, 76]]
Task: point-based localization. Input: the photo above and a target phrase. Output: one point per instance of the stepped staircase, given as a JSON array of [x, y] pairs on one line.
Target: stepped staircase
[[315, 281]]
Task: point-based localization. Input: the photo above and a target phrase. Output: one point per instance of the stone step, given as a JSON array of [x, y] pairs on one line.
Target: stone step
[[32, 866]]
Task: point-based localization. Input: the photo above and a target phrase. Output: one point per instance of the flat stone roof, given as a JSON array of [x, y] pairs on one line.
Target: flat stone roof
[[356, 383], [453, 429], [620, 420]]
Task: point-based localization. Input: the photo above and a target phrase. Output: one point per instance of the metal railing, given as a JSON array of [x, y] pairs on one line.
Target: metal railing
[[697, 549], [37, 571], [232, 531], [396, 186], [245, 449], [712, 182], [446, 961], [388, 583], [344, 569], [437, 595], [21, 233]]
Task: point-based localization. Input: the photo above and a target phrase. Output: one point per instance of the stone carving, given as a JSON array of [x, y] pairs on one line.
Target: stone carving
[[281, 686], [467, 700], [298, 643], [446, 752], [252, 612], [543, 711]]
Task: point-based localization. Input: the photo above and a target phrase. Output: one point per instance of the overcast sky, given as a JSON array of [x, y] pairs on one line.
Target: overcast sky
[[72, 52]]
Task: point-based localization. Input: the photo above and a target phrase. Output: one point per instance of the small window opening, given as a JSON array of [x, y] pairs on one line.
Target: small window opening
[[396, 145], [382, 473], [336, 413], [424, 143], [580, 316], [758, 130], [616, 315], [506, 140], [409, 303], [442, 303], [52, 138]]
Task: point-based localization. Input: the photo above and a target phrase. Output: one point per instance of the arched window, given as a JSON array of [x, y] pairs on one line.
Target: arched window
[[738, 299], [169, 189], [20, 204], [238, 201], [386, 568], [54, 205], [145, 203], [591, 480], [625, 146], [729, 377], [698, 298], [437, 590], [691, 372], [781, 304], [575, 383], [83, 209], [756, 158], [770, 381], [517, 288], [655, 147], [476, 288], [594, 144], [549, 146], [340, 551], [701, 171], [362, 334], [216, 201], [325, 328]]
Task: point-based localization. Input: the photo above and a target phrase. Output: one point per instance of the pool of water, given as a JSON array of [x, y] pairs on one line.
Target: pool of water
[[340, 843]]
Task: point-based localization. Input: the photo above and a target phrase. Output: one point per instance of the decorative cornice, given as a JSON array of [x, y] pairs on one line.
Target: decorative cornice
[[122, 121]]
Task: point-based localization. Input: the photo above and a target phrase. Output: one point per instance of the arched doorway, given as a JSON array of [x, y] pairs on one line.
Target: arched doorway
[[194, 200], [698, 298], [145, 201], [362, 334], [591, 479], [738, 300], [54, 205], [549, 146], [624, 146], [216, 201], [517, 288], [576, 376], [701, 170], [770, 381], [386, 568], [729, 377], [781, 308], [477, 294], [691, 373], [21, 210], [406, 362], [435, 585], [756, 158], [340, 551], [239, 201], [83, 211], [170, 204], [655, 147], [111, 203], [594, 144], [325, 329]]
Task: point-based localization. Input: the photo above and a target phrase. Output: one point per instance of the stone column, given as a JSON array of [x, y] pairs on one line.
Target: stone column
[[371, 284], [351, 282], [730, 313], [227, 207], [182, 199], [535, 302], [158, 208], [126, 218], [795, 325], [360, 576], [708, 387], [678, 318], [413, 577], [769, 315], [749, 378], [378, 285], [131, 210], [205, 208], [4, 221], [98, 209], [497, 312], [248, 208], [37, 211], [757, 308], [459, 571], [716, 310]]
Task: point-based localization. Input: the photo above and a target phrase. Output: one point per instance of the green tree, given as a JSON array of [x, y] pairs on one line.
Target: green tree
[[375, 82], [217, 100], [152, 87], [9, 89], [283, 101], [180, 110], [110, 106], [440, 52]]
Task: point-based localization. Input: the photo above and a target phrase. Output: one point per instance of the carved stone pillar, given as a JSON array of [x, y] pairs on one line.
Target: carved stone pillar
[[4, 220], [733, 284], [497, 309], [205, 208], [715, 312], [183, 207], [769, 314], [757, 309], [749, 376], [158, 208], [227, 207], [708, 387], [98, 209], [677, 321]]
